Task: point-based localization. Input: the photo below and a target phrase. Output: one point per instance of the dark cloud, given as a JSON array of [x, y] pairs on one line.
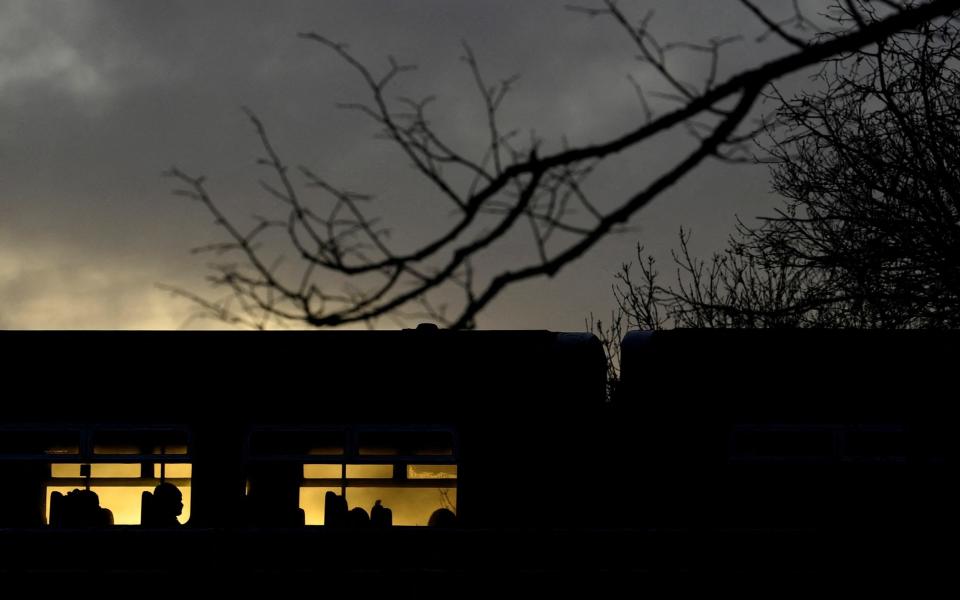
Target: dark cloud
[[98, 97]]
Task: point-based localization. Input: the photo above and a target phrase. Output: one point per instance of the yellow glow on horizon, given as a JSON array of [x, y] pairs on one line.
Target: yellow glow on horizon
[[114, 470]]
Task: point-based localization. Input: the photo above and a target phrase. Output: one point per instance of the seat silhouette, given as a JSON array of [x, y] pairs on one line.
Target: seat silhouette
[[335, 510], [78, 509]]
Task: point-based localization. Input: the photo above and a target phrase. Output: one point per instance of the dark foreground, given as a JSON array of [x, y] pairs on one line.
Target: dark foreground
[[237, 558]]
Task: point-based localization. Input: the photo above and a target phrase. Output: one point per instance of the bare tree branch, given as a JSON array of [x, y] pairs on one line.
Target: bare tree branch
[[869, 236], [347, 271]]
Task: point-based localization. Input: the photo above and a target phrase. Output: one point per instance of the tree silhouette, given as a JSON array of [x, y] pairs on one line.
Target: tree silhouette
[[869, 235], [349, 272]]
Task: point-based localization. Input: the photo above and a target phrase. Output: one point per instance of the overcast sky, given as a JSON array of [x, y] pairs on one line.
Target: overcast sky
[[98, 97]]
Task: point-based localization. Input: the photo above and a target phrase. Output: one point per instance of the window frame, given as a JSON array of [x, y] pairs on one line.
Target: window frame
[[85, 434], [352, 456]]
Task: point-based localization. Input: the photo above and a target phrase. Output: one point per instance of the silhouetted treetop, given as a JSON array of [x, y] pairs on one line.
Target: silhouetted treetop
[[869, 233]]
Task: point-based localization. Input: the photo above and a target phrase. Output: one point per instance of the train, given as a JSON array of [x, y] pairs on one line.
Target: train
[[435, 451]]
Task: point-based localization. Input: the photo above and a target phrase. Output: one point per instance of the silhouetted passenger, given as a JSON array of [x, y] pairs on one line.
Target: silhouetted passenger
[[79, 508], [381, 517], [358, 518], [334, 510], [162, 508], [443, 518]]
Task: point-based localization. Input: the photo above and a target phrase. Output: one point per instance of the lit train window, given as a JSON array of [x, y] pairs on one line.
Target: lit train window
[[119, 488], [411, 471], [431, 471], [412, 495], [92, 477]]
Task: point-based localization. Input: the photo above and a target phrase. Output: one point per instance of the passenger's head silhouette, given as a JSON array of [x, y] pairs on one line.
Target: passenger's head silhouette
[[380, 515], [442, 518], [168, 503], [85, 502], [358, 518]]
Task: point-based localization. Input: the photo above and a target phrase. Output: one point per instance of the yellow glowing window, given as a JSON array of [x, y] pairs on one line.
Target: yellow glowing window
[[412, 500], [118, 486], [102, 470], [409, 486], [369, 471], [352, 471], [431, 471], [322, 471], [123, 501], [173, 470], [378, 471], [410, 506]]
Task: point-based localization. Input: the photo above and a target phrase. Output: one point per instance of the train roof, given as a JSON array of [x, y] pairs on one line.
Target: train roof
[[816, 372], [297, 375]]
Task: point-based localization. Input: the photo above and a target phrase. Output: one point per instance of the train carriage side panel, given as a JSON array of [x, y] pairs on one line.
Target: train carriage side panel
[[799, 428]]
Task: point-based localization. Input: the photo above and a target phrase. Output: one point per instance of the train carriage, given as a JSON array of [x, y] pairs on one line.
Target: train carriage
[[474, 451], [474, 430], [825, 430]]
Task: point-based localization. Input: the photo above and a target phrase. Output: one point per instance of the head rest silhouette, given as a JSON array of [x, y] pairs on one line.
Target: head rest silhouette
[[443, 518], [84, 499], [357, 517], [81, 508]]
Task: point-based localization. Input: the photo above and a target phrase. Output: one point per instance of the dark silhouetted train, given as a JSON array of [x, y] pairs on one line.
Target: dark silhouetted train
[[426, 451]]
